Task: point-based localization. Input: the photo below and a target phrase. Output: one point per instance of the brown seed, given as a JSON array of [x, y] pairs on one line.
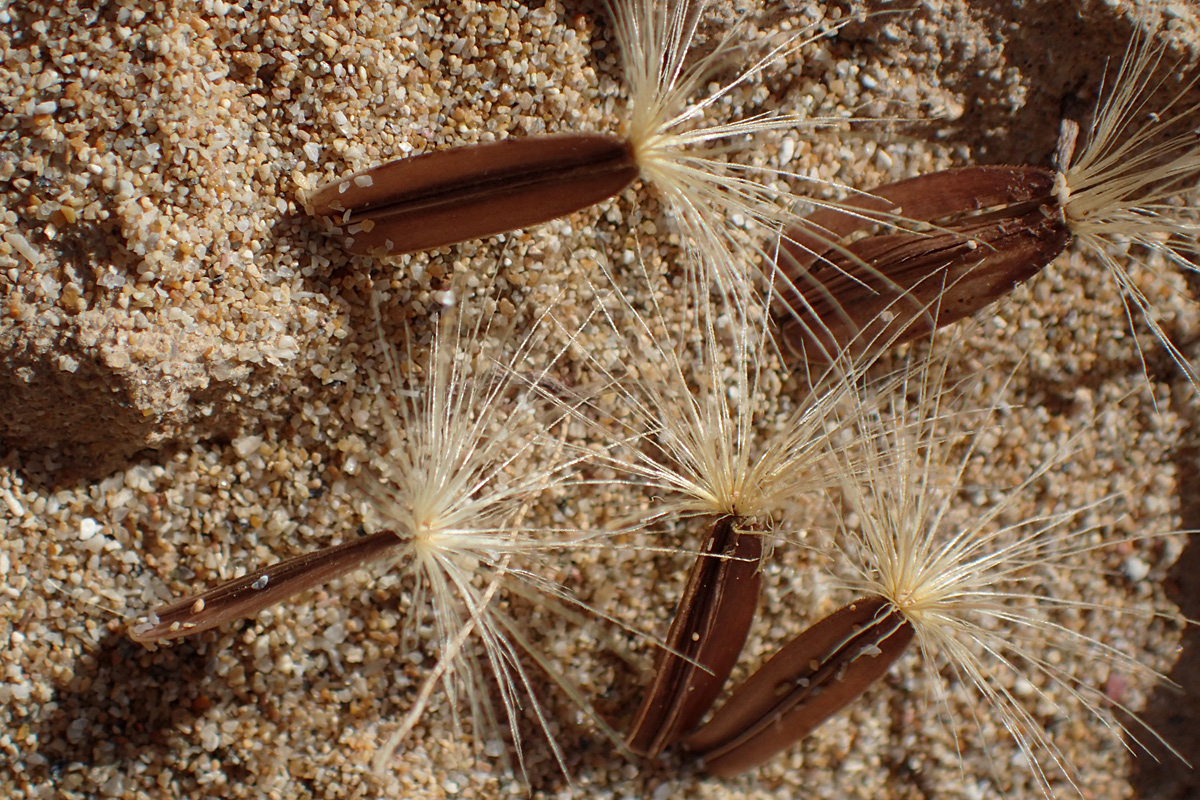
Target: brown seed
[[252, 593], [464, 193], [989, 228], [705, 639], [813, 677]]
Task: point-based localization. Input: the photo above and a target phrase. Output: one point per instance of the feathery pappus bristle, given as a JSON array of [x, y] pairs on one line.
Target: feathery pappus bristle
[[1134, 179], [697, 405], [684, 155], [470, 448]]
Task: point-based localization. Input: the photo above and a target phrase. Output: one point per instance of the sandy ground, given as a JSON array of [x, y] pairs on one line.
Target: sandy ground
[[189, 369]]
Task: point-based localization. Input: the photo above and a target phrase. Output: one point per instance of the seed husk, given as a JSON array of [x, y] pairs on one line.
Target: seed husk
[[986, 229], [464, 193], [705, 639], [246, 596], [811, 678]]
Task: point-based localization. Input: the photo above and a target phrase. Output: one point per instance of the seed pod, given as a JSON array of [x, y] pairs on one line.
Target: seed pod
[[705, 639], [813, 677], [246, 596], [470, 192], [988, 229]]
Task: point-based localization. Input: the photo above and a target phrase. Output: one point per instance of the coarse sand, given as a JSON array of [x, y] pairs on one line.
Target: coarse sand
[[187, 373]]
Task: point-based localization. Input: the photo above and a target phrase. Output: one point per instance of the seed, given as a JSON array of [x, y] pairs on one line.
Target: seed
[[813, 677], [705, 639], [248, 595], [983, 231], [464, 193]]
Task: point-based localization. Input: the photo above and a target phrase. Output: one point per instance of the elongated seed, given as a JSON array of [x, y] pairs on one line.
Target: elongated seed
[[250, 594], [811, 678], [705, 639], [989, 229], [464, 193]]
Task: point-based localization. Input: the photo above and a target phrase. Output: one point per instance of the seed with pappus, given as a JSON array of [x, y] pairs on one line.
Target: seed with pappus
[[970, 589], [954, 242], [462, 193], [468, 450]]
